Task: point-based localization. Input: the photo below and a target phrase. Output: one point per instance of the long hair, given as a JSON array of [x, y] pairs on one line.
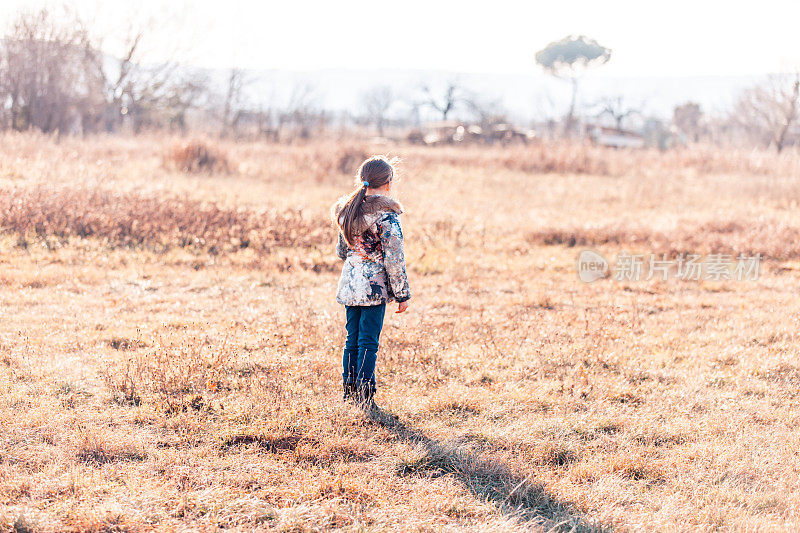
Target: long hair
[[375, 172]]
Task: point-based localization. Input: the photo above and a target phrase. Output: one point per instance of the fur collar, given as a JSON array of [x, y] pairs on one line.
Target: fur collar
[[377, 203], [373, 206]]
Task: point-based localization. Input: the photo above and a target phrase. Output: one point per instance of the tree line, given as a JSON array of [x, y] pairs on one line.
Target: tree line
[[55, 78]]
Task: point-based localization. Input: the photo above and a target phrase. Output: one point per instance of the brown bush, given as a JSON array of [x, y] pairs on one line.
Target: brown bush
[[350, 159], [197, 157], [134, 219]]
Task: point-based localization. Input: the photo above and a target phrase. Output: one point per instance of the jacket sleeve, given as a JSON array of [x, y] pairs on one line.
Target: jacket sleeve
[[394, 260], [341, 247]]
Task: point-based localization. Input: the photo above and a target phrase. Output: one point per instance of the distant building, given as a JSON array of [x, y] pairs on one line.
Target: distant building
[[615, 137], [453, 132], [439, 132]]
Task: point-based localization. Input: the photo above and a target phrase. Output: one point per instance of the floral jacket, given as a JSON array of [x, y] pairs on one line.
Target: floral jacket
[[374, 270]]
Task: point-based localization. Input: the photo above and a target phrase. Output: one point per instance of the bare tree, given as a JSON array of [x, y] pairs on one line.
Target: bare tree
[[618, 109], [769, 111], [44, 81], [377, 102], [415, 107], [185, 94], [54, 77], [445, 101], [140, 91], [301, 111], [545, 112], [487, 112], [145, 84], [233, 105]]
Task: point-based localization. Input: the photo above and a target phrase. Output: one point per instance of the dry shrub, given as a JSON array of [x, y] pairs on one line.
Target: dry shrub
[[132, 219], [123, 343], [350, 158], [784, 373], [659, 438], [181, 373], [174, 375], [636, 468], [197, 157], [771, 238], [94, 449], [272, 443], [556, 455]]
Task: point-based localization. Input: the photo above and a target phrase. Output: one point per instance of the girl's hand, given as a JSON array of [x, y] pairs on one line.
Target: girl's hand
[[402, 306]]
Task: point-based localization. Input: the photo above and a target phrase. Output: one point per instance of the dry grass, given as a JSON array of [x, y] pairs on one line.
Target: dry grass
[[771, 238], [571, 158], [155, 374]]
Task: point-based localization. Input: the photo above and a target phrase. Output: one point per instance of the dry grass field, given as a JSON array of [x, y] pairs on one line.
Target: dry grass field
[[170, 345]]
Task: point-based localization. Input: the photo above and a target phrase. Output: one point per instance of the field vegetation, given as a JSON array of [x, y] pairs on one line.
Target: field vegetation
[[170, 346]]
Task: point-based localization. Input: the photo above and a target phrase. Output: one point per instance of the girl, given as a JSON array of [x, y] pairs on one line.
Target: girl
[[374, 271]]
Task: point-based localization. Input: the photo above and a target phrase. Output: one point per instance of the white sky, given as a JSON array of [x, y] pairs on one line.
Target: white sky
[[648, 38]]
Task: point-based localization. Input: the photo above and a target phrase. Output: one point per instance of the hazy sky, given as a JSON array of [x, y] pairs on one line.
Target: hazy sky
[[679, 37]]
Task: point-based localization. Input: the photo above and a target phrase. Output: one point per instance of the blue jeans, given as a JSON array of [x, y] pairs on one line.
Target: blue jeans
[[363, 326]]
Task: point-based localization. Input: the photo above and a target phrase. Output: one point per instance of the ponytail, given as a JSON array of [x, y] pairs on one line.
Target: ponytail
[[375, 172], [350, 212]]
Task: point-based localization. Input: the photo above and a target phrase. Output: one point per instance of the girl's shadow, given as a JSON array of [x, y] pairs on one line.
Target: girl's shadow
[[486, 479]]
